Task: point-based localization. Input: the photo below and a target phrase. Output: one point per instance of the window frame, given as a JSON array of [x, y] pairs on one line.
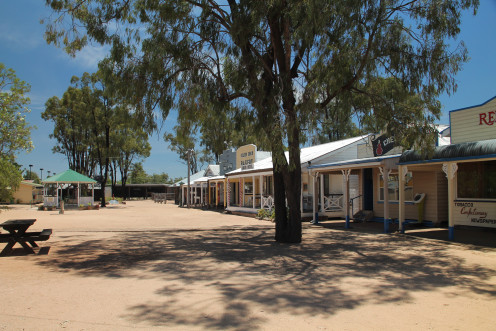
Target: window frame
[[380, 186]]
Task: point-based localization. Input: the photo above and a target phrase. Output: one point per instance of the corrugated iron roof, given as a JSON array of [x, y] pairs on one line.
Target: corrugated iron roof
[[69, 176], [468, 150], [306, 154]]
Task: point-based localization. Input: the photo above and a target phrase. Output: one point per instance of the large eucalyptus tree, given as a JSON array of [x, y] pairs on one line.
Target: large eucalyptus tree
[[288, 60]]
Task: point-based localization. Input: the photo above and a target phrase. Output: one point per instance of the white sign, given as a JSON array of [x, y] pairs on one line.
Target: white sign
[[475, 213], [245, 156]]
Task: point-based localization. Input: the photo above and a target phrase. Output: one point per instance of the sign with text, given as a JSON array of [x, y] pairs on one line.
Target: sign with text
[[245, 157], [474, 124], [476, 213], [382, 144]]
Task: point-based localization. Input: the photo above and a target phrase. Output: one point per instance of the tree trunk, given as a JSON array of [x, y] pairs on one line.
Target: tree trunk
[[287, 189]]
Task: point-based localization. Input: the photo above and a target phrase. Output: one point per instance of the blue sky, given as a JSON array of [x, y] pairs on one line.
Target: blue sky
[[48, 70]]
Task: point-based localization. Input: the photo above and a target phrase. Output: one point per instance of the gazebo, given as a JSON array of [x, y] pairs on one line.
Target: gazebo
[[70, 186]]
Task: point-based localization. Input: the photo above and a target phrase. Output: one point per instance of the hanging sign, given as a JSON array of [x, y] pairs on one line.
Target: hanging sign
[[382, 144]]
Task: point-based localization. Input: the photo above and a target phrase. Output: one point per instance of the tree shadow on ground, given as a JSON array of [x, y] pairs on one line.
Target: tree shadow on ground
[[249, 275]]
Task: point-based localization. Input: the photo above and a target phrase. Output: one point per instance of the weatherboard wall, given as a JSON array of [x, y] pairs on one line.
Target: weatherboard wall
[[474, 123], [428, 182]]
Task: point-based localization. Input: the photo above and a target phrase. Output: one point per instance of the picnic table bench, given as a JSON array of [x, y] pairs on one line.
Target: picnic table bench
[[18, 234]]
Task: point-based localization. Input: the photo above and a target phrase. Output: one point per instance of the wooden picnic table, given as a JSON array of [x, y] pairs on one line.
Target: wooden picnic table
[[18, 234]]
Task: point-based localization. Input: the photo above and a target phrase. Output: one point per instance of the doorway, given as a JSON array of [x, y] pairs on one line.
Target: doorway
[[368, 189]]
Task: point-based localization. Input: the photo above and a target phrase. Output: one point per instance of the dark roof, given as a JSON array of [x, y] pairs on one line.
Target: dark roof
[[147, 185], [463, 151]]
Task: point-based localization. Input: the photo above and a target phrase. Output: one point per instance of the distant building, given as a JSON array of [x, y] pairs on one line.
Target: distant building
[[28, 192]]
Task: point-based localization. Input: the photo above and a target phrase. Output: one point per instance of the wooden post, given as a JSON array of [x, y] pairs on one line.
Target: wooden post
[[253, 191], [322, 201], [450, 171], [385, 176], [346, 178], [315, 199], [228, 193], [402, 171]]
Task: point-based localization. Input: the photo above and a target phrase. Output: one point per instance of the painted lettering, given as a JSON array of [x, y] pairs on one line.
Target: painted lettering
[[464, 204], [473, 212], [488, 118]]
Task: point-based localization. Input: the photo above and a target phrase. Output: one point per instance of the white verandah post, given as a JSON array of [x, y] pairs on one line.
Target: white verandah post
[[260, 190], [346, 178], [385, 177], [253, 190], [450, 170], [315, 198], [402, 171], [322, 202]]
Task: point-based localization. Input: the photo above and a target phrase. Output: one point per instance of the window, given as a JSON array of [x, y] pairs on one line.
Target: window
[[393, 187], [476, 180], [248, 188]]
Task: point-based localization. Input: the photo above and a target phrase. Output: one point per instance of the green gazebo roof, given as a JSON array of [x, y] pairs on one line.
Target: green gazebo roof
[[69, 176]]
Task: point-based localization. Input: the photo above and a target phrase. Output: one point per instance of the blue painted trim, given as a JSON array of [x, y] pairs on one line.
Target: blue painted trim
[[461, 158], [464, 108], [347, 224], [448, 128], [451, 233]]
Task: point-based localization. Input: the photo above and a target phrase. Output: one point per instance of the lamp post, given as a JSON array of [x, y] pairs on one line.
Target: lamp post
[[48, 173], [30, 166], [41, 173]]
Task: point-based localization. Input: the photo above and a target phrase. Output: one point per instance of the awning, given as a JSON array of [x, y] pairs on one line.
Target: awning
[[465, 151], [368, 162]]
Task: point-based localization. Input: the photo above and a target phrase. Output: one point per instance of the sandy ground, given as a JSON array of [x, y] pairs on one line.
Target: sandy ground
[[151, 266]]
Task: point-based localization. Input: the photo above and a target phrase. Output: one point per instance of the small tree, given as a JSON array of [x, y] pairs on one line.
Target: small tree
[[15, 132]]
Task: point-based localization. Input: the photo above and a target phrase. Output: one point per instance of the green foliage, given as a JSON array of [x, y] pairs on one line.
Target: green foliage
[[32, 175], [265, 214], [10, 178], [73, 129], [15, 133], [139, 176], [92, 127]]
